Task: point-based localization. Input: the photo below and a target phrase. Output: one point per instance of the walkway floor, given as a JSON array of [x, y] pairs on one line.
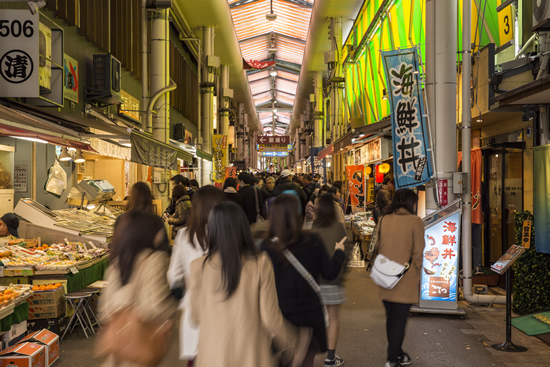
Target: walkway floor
[[431, 340]]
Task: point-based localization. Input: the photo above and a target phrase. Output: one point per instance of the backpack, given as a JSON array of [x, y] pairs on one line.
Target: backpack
[[295, 194]]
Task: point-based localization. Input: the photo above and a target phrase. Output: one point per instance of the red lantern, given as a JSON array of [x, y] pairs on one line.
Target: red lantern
[[378, 176]]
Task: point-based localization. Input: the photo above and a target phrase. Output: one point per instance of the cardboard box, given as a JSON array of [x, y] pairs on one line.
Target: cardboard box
[[18, 272], [56, 325], [15, 331], [50, 280], [49, 340], [46, 298], [14, 280], [14, 341], [47, 311], [24, 355]]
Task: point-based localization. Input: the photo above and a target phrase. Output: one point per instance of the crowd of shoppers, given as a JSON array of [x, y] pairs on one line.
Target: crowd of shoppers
[[274, 296]]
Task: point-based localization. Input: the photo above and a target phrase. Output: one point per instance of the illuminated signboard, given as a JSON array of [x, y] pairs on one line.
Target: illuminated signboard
[[274, 154]]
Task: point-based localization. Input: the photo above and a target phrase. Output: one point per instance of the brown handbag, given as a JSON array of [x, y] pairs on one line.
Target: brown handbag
[[129, 338]]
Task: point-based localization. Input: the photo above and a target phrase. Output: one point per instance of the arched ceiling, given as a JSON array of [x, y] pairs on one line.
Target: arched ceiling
[[282, 40]]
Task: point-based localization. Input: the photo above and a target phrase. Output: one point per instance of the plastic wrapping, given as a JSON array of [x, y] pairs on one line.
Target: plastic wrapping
[[57, 180]]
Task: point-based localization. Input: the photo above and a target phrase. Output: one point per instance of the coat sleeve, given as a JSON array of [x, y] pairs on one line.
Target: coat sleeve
[[195, 291], [176, 270], [180, 216], [155, 298], [286, 335], [330, 267], [418, 245]]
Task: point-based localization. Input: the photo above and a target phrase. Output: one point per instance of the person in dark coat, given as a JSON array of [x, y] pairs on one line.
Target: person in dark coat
[[230, 191], [309, 186], [285, 184], [252, 198], [299, 303]]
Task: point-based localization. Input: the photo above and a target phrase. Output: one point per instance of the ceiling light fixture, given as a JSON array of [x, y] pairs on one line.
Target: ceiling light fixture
[[65, 157], [384, 94], [79, 158], [30, 139], [273, 72]]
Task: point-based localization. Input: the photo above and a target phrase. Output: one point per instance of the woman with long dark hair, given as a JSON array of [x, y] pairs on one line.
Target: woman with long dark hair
[[136, 275], [327, 227], [404, 245], [298, 301], [140, 198], [190, 244], [233, 297]]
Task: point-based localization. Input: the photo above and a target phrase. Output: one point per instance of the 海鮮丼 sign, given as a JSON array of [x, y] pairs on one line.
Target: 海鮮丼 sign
[[411, 157], [19, 60]]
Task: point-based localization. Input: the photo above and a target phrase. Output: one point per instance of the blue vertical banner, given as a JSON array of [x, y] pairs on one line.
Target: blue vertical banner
[[319, 165], [411, 157], [541, 197]]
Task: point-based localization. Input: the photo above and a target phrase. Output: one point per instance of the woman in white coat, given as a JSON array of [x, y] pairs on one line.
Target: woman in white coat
[[190, 244]]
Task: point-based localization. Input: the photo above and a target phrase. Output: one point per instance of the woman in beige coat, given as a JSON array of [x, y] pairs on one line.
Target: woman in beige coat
[[137, 273], [401, 239], [234, 299]]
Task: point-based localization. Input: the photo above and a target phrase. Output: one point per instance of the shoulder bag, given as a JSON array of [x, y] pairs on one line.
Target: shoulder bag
[[385, 272], [129, 338], [259, 217], [308, 277]]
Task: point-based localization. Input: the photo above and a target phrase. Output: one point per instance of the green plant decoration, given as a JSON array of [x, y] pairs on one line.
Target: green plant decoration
[[532, 274]]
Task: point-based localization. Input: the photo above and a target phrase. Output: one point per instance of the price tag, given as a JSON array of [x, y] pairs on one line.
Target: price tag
[[92, 244], [67, 241], [73, 270]]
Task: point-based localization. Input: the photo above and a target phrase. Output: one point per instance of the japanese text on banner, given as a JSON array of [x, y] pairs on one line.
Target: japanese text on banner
[[412, 165], [219, 154], [356, 181]]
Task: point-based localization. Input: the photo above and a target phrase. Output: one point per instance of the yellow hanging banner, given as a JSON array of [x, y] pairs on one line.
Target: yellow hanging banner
[[219, 158], [505, 24]]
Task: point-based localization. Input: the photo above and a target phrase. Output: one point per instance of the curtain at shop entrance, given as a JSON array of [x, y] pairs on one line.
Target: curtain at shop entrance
[[541, 198]]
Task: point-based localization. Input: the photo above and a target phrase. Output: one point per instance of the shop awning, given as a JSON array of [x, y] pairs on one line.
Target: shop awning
[[534, 93], [151, 152], [362, 132], [204, 155], [325, 152], [19, 124]]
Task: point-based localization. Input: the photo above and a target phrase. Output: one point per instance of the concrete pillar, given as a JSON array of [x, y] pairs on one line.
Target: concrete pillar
[[207, 104], [441, 46], [160, 78], [224, 101]]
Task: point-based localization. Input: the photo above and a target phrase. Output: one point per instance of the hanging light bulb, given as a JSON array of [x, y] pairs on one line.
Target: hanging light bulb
[[384, 94], [65, 157], [79, 158]]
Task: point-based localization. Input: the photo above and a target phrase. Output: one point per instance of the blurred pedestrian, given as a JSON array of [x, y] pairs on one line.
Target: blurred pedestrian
[[141, 200], [171, 208], [272, 190], [136, 279], [194, 185], [299, 302], [178, 220], [405, 245], [286, 186], [253, 203], [190, 244], [331, 231], [230, 191], [383, 198], [233, 297], [309, 186], [335, 192]]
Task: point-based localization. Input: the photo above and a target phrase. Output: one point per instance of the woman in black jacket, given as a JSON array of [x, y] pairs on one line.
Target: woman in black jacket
[[299, 303], [230, 191]]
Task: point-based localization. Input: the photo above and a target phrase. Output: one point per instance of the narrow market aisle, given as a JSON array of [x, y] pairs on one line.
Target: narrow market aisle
[[431, 340]]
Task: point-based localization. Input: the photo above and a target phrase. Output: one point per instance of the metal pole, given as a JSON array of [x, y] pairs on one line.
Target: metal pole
[[144, 69], [224, 118], [318, 112], [441, 28], [207, 102], [160, 79]]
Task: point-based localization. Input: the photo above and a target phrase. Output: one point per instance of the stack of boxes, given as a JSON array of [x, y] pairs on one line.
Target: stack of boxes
[[47, 311]]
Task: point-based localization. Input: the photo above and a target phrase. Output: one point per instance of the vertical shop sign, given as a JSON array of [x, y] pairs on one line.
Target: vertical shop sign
[[356, 181], [526, 234], [19, 61], [443, 192], [319, 165], [219, 154], [439, 280], [152, 153], [505, 24], [412, 165], [70, 81], [130, 106], [20, 178]]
